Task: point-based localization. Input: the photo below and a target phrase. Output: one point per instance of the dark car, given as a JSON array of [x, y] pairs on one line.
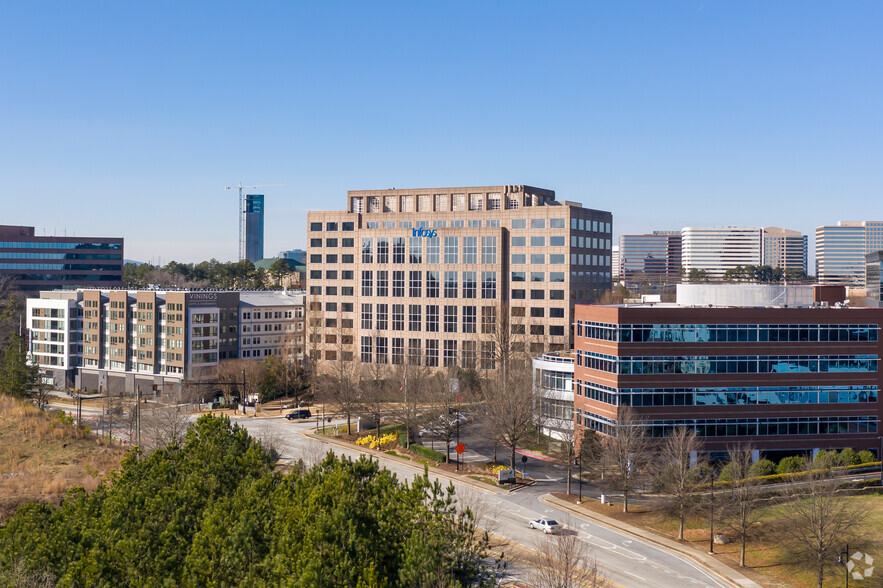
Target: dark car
[[301, 413]]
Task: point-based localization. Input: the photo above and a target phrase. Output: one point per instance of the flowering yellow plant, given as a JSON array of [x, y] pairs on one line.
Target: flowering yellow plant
[[377, 442]]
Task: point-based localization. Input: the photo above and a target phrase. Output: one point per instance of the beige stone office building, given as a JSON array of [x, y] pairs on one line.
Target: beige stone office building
[[425, 276]]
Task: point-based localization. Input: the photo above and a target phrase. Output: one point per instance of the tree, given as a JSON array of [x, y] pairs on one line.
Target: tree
[[375, 393], [820, 517], [410, 399], [564, 448], [233, 371], [442, 403], [279, 269], [742, 511], [677, 473], [163, 426], [18, 378], [625, 454], [565, 561]]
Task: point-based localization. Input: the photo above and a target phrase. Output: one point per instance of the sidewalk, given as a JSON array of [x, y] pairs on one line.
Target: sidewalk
[[708, 562], [379, 455]]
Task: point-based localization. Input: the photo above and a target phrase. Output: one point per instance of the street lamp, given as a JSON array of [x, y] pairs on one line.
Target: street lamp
[[711, 518], [579, 463], [843, 559]]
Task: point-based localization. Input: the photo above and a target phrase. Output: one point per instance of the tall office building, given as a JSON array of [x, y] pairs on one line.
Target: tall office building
[[784, 248], [654, 257], [40, 263], [252, 238], [615, 265], [431, 274], [841, 250], [714, 250]]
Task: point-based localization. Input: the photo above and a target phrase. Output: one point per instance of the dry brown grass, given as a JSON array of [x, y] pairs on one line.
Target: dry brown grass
[[41, 457]]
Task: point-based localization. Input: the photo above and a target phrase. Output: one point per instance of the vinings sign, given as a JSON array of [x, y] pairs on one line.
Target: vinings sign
[[424, 233]]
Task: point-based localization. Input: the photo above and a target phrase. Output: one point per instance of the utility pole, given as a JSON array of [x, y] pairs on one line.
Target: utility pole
[[711, 521]]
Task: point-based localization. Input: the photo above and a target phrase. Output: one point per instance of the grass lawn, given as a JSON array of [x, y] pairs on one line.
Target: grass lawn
[[771, 559], [42, 457]]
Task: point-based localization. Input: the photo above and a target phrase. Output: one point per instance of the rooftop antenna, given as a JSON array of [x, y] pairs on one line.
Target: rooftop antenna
[[240, 187]]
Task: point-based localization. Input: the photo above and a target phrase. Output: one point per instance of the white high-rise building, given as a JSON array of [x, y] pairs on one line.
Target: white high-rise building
[[714, 250], [784, 248], [841, 250]]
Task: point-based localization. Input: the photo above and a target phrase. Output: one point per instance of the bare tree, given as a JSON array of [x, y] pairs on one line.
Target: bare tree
[[375, 390], [625, 455], [247, 371], [820, 518], [339, 380], [412, 394], [742, 511], [677, 473], [565, 561], [565, 447], [163, 425], [442, 407]]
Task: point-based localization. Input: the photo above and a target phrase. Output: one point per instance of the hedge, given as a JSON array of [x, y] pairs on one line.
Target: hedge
[[427, 452]]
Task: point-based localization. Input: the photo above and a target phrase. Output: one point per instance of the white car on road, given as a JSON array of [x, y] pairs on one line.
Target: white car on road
[[547, 525]]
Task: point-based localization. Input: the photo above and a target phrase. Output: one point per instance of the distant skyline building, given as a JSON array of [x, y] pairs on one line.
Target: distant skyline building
[[841, 250], [715, 250], [43, 262], [614, 265], [653, 257], [253, 227], [298, 255], [784, 248]]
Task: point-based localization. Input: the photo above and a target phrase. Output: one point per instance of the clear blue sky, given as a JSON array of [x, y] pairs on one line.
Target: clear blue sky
[[666, 113]]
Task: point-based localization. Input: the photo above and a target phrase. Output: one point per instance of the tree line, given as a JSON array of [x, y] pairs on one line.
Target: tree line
[[213, 510], [206, 274]]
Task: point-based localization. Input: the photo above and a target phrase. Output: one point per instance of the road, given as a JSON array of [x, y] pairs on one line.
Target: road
[[623, 559]]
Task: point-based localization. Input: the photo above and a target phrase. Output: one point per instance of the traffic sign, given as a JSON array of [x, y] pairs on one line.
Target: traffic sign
[[460, 448]]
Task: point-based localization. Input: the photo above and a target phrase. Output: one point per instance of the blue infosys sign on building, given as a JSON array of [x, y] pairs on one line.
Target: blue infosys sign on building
[[423, 233]]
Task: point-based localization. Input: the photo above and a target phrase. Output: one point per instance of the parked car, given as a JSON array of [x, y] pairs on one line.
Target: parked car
[[547, 525], [301, 413]]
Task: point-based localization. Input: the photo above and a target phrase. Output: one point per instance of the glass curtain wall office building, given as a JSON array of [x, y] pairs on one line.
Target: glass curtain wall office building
[[654, 257], [428, 276], [782, 379], [43, 262], [841, 250], [253, 227]]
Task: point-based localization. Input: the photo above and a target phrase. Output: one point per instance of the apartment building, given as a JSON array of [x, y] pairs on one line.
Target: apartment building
[[431, 274], [784, 379], [114, 340], [653, 257], [841, 250], [42, 262]]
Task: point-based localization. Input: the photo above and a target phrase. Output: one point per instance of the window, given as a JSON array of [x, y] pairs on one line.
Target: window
[[493, 202], [469, 285], [488, 361], [330, 226], [381, 349], [489, 250], [398, 351], [367, 283], [538, 223], [519, 223], [537, 276], [488, 320], [349, 226], [556, 259], [493, 222], [398, 250], [556, 294], [382, 283], [315, 290], [398, 283], [556, 313], [316, 258], [488, 285], [382, 317], [398, 317], [331, 258], [330, 242], [331, 291], [519, 241], [556, 276], [451, 250], [424, 203], [537, 294], [382, 250], [450, 319], [519, 276], [367, 250], [450, 358], [414, 316], [367, 348], [537, 330], [432, 352], [519, 259], [476, 202], [450, 284], [458, 202], [415, 284], [518, 294], [414, 355], [415, 249], [331, 275], [537, 241], [432, 249], [474, 222], [537, 312], [470, 249], [469, 315], [329, 307], [432, 318], [367, 314], [557, 223], [537, 259], [556, 330], [441, 202], [315, 274], [315, 242], [347, 258], [432, 284], [558, 241], [346, 275]]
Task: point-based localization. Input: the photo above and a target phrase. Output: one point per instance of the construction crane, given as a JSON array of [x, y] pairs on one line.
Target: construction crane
[[240, 187]]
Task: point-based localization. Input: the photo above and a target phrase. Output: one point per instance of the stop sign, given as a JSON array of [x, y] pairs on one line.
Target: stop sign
[[460, 448]]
